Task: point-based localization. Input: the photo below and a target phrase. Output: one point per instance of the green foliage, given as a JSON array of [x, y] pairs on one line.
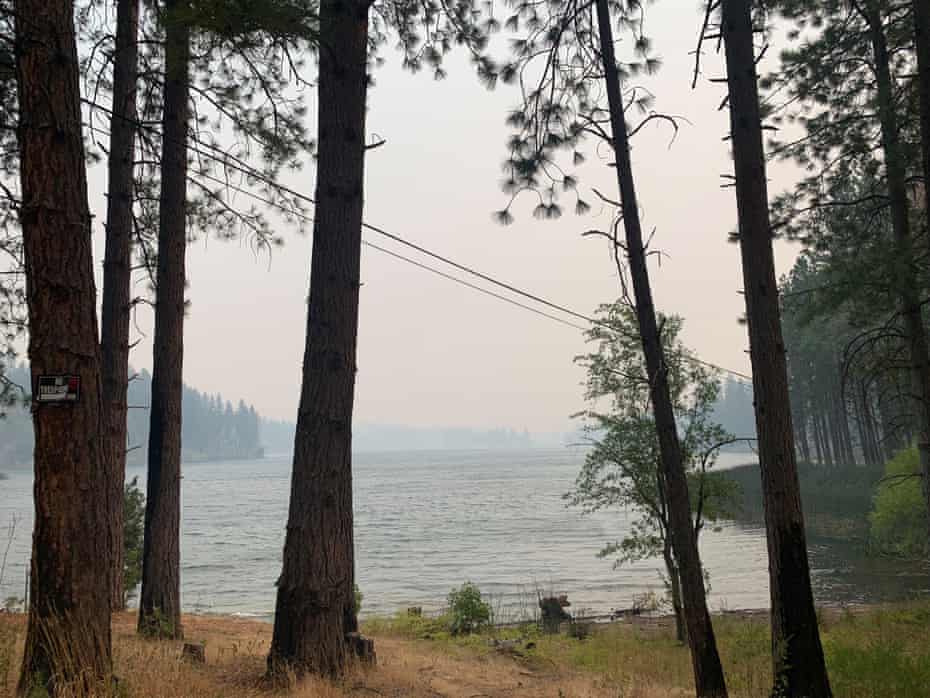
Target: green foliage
[[556, 62], [899, 517], [212, 427], [842, 325], [133, 526], [623, 469], [409, 626], [468, 612], [836, 501]]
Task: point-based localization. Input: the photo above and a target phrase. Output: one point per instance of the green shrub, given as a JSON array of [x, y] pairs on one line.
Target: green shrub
[[408, 626], [881, 668], [468, 611], [133, 527], [898, 522]]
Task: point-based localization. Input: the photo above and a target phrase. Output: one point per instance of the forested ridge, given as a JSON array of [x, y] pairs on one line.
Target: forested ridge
[[213, 428]]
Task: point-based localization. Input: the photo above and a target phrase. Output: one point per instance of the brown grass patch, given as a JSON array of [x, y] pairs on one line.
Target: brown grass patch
[[878, 652], [235, 663]]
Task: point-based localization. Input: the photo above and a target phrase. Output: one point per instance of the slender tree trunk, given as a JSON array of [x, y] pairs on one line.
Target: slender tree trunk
[[890, 439], [875, 456], [830, 419], [160, 600], [798, 661], [68, 630], [708, 671], [905, 274], [842, 416], [801, 424], [862, 420], [922, 42], [825, 436], [836, 427], [817, 440], [117, 275], [675, 588], [315, 609], [922, 37]]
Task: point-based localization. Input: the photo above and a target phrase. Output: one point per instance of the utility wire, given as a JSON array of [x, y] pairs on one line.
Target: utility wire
[[231, 162], [368, 243]]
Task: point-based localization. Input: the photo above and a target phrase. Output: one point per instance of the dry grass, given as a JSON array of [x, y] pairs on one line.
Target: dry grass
[[872, 653], [236, 650]]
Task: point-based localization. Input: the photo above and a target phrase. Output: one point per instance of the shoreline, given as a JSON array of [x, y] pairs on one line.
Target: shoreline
[[872, 651]]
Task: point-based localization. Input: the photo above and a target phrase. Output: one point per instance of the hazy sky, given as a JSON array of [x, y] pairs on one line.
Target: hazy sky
[[432, 352]]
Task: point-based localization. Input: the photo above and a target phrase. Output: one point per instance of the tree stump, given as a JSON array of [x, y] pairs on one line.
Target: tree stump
[[194, 652], [553, 612], [362, 648]]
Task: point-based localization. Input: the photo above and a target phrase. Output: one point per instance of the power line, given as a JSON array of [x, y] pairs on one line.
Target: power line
[[467, 284], [368, 243], [472, 286], [243, 168]]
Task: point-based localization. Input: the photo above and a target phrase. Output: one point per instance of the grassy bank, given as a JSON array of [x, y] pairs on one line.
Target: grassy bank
[[836, 500], [879, 652]]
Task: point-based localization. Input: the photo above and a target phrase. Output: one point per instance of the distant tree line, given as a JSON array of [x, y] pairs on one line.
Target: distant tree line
[[212, 427]]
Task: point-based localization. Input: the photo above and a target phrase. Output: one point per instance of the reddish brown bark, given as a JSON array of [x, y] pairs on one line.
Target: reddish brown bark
[[68, 631], [798, 660], [117, 275], [160, 599], [314, 610]]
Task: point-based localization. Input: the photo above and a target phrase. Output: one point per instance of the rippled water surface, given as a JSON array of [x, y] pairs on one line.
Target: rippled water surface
[[427, 521]]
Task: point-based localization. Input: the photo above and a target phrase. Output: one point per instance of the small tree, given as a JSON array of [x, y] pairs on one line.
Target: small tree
[[624, 468], [133, 523]]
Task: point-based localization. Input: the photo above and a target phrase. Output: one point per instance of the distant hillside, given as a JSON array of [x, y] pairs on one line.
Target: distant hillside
[[212, 427]]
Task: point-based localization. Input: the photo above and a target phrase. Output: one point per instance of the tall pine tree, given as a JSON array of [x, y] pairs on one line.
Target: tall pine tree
[[798, 660], [68, 632]]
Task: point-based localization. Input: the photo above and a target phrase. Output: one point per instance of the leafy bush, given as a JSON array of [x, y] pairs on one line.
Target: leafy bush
[[468, 611], [133, 526], [898, 522]]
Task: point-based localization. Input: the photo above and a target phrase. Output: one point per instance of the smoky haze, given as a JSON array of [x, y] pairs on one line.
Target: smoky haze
[[432, 352]]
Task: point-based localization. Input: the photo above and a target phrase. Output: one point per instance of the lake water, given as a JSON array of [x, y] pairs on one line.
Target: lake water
[[427, 521]]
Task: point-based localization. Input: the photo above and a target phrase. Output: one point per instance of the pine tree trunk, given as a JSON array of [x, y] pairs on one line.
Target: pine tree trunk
[[842, 416], [708, 671], [160, 600], [117, 275], [798, 660], [315, 609], [835, 436], [875, 457], [818, 443], [921, 9], [68, 630], [922, 37], [801, 424], [828, 452], [905, 274], [862, 421]]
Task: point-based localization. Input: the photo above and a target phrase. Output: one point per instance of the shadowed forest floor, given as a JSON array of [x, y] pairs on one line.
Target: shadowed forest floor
[[871, 652]]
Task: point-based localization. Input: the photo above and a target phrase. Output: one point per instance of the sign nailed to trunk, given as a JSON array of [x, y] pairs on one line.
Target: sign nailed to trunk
[[58, 389]]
